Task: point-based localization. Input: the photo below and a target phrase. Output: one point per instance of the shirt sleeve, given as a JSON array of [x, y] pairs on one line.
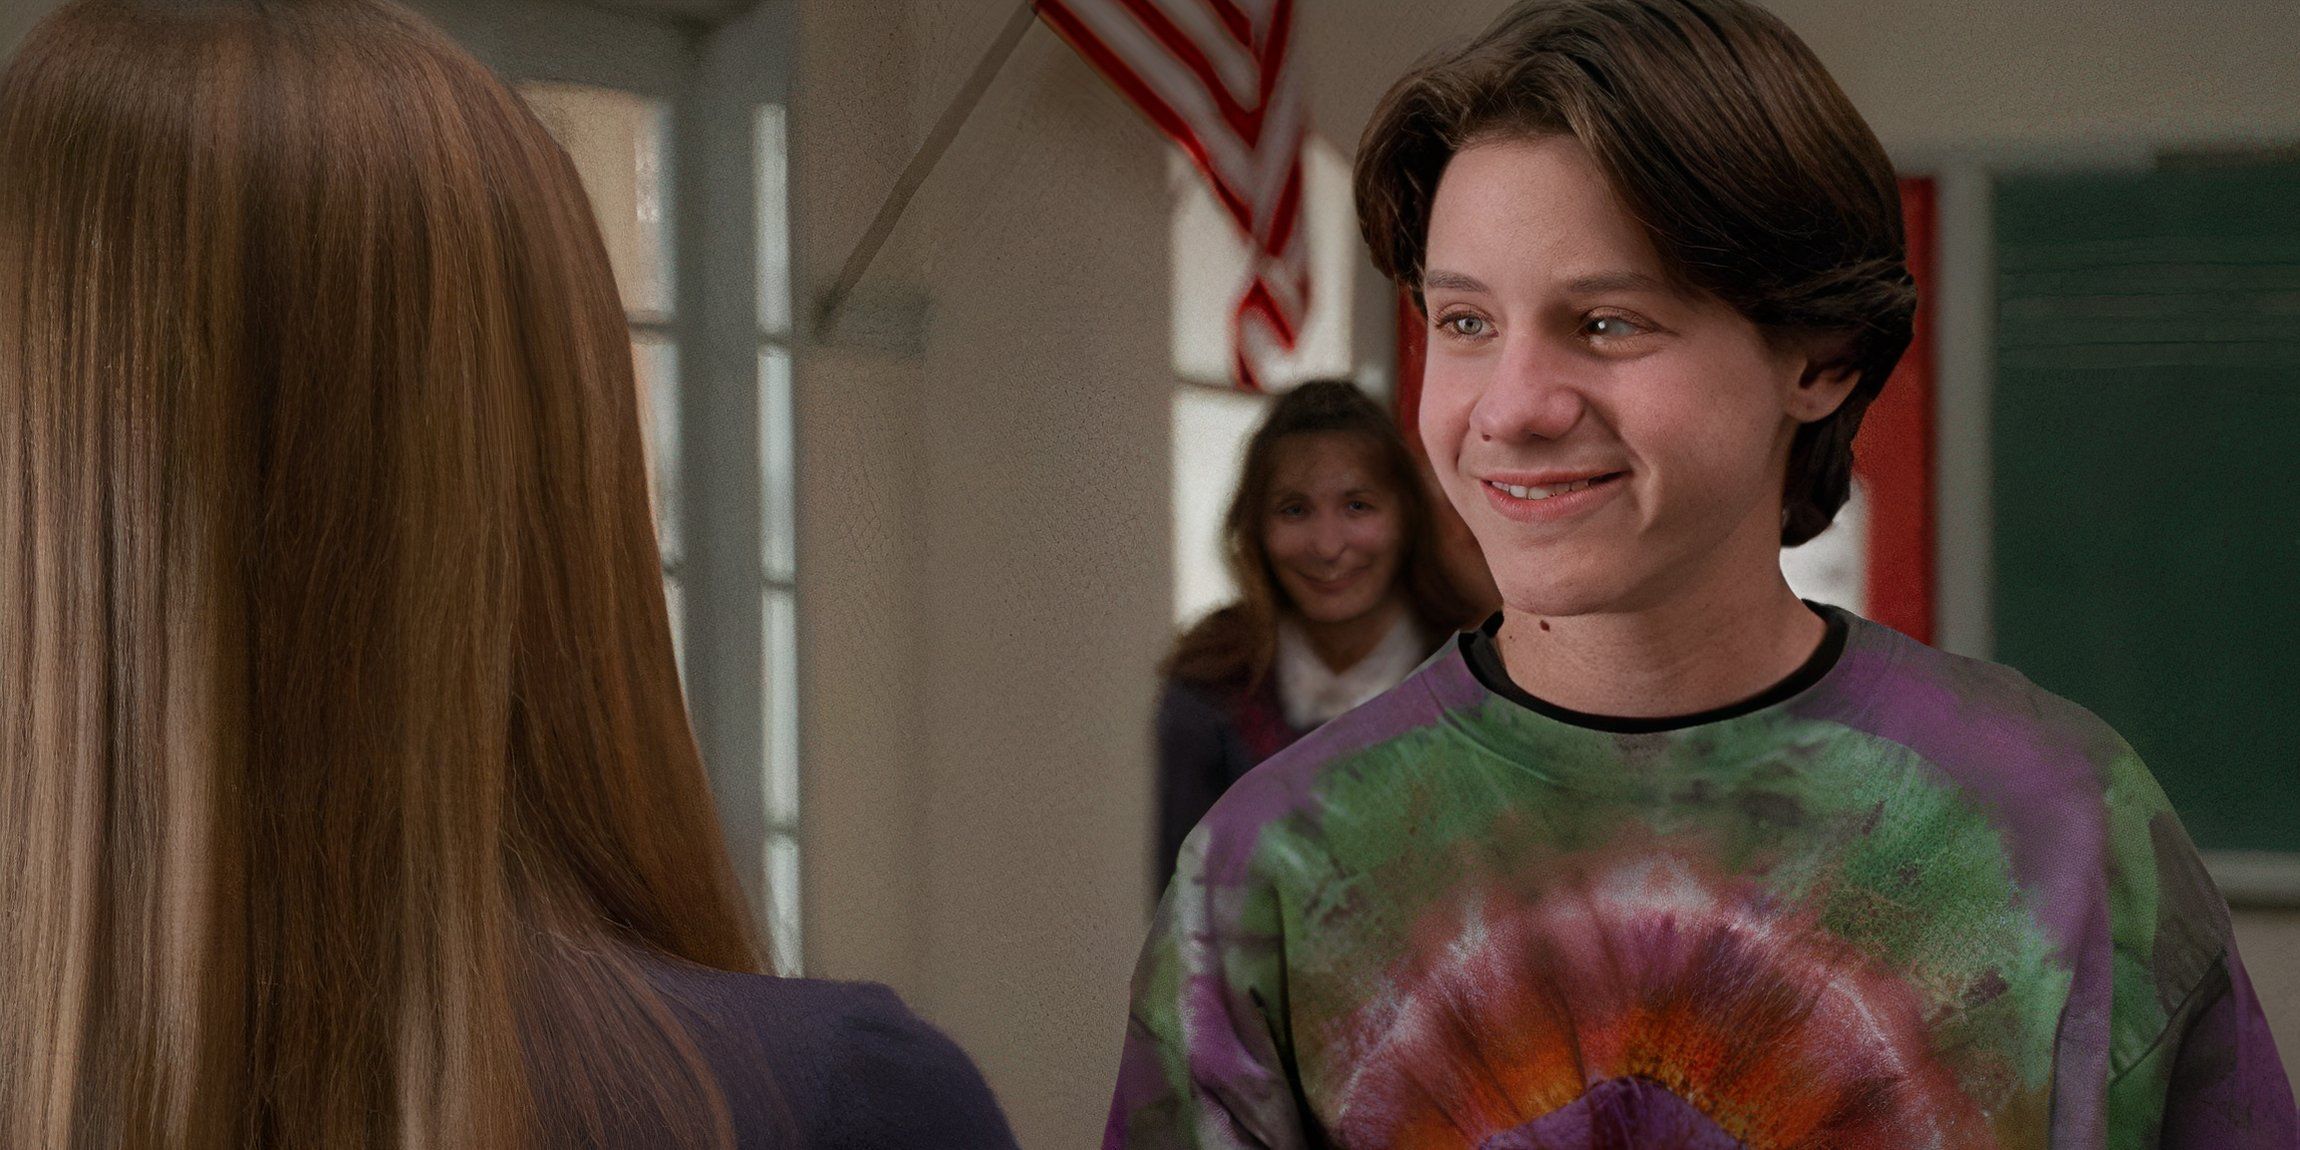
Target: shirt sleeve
[[1206, 1063], [2195, 1067], [897, 1083], [2214, 1078]]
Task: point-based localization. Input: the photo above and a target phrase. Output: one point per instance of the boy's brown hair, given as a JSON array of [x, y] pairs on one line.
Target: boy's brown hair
[[1755, 178]]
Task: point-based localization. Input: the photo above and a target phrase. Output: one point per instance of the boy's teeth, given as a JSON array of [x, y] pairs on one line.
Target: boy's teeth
[[1545, 492]]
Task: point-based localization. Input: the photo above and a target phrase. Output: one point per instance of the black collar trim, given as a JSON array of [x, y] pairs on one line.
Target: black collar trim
[[1483, 654]]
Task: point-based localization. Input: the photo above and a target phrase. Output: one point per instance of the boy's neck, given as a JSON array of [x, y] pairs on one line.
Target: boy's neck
[[1690, 654]]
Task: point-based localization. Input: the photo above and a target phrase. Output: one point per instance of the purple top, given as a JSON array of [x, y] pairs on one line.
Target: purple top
[[1209, 736], [811, 1065], [1907, 900]]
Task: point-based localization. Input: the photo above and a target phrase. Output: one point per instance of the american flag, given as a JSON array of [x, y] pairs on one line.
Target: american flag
[[1217, 77]]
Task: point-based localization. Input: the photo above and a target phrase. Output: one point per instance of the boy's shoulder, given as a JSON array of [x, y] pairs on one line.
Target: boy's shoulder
[[2167, 924], [2072, 794], [1963, 711]]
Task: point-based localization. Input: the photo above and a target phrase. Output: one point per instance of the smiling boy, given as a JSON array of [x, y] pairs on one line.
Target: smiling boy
[[1664, 856]]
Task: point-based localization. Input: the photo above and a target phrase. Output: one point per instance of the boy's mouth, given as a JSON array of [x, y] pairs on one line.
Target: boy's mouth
[[1553, 487]]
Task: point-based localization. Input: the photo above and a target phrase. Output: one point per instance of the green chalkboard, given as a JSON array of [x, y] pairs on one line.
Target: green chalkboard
[[2146, 446]]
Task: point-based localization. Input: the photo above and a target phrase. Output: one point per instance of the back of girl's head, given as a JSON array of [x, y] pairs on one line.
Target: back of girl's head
[[1239, 642], [343, 745], [1754, 176]]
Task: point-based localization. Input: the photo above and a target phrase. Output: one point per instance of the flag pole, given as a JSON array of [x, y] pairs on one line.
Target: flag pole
[[922, 163]]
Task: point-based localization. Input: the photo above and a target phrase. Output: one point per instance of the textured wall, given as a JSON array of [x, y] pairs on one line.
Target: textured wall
[[985, 544], [860, 481]]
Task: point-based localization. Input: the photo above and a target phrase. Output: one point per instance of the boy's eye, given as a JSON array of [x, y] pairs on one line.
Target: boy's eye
[[1610, 327], [1469, 326]]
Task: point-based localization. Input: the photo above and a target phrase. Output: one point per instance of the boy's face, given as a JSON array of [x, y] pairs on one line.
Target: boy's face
[[1614, 443]]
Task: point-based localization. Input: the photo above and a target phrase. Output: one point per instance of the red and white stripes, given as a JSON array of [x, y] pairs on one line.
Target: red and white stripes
[[1217, 77]]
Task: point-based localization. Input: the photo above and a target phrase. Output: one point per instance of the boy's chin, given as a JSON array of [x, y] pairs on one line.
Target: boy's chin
[[1564, 594]]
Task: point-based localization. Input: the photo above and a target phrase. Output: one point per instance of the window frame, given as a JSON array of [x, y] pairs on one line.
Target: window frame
[[712, 78]]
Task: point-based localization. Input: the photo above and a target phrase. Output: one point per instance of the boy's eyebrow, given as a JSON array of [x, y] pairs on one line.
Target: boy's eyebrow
[[1593, 284], [1452, 281]]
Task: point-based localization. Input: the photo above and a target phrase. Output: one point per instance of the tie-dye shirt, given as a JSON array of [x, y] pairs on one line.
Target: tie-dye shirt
[[1913, 901]]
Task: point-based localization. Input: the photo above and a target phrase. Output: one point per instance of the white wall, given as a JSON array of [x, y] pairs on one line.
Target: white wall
[[984, 545], [859, 523], [2269, 940], [2008, 77]]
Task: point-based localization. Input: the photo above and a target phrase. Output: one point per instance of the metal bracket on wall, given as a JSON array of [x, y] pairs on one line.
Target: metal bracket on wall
[[887, 318], [836, 308]]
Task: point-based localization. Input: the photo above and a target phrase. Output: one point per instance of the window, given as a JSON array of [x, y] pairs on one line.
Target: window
[[1212, 419], [617, 141], [1832, 567], [1210, 267], [623, 146], [1211, 427], [778, 562]]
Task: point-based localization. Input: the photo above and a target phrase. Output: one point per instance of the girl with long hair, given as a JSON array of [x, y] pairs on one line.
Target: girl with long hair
[[347, 796], [1344, 586]]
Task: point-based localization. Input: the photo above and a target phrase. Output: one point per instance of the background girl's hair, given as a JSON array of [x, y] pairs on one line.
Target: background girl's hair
[[1236, 644], [1754, 176], [344, 772]]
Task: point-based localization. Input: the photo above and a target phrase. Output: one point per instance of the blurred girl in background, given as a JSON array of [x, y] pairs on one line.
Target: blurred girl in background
[[1344, 587]]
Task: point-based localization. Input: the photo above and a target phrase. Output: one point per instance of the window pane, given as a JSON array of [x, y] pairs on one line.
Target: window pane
[[780, 678], [775, 463], [656, 360], [618, 143], [783, 903], [773, 143], [1211, 427], [1833, 567], [1210, 264], [675, 599]]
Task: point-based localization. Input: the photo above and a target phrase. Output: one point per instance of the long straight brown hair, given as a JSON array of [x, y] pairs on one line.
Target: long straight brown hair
[[347, 782]]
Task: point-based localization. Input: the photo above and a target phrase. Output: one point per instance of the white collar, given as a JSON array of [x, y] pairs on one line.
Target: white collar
[[1312, 693]]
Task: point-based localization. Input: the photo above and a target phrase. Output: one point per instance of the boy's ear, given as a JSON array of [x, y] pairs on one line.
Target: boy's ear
[[1828, 376]]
